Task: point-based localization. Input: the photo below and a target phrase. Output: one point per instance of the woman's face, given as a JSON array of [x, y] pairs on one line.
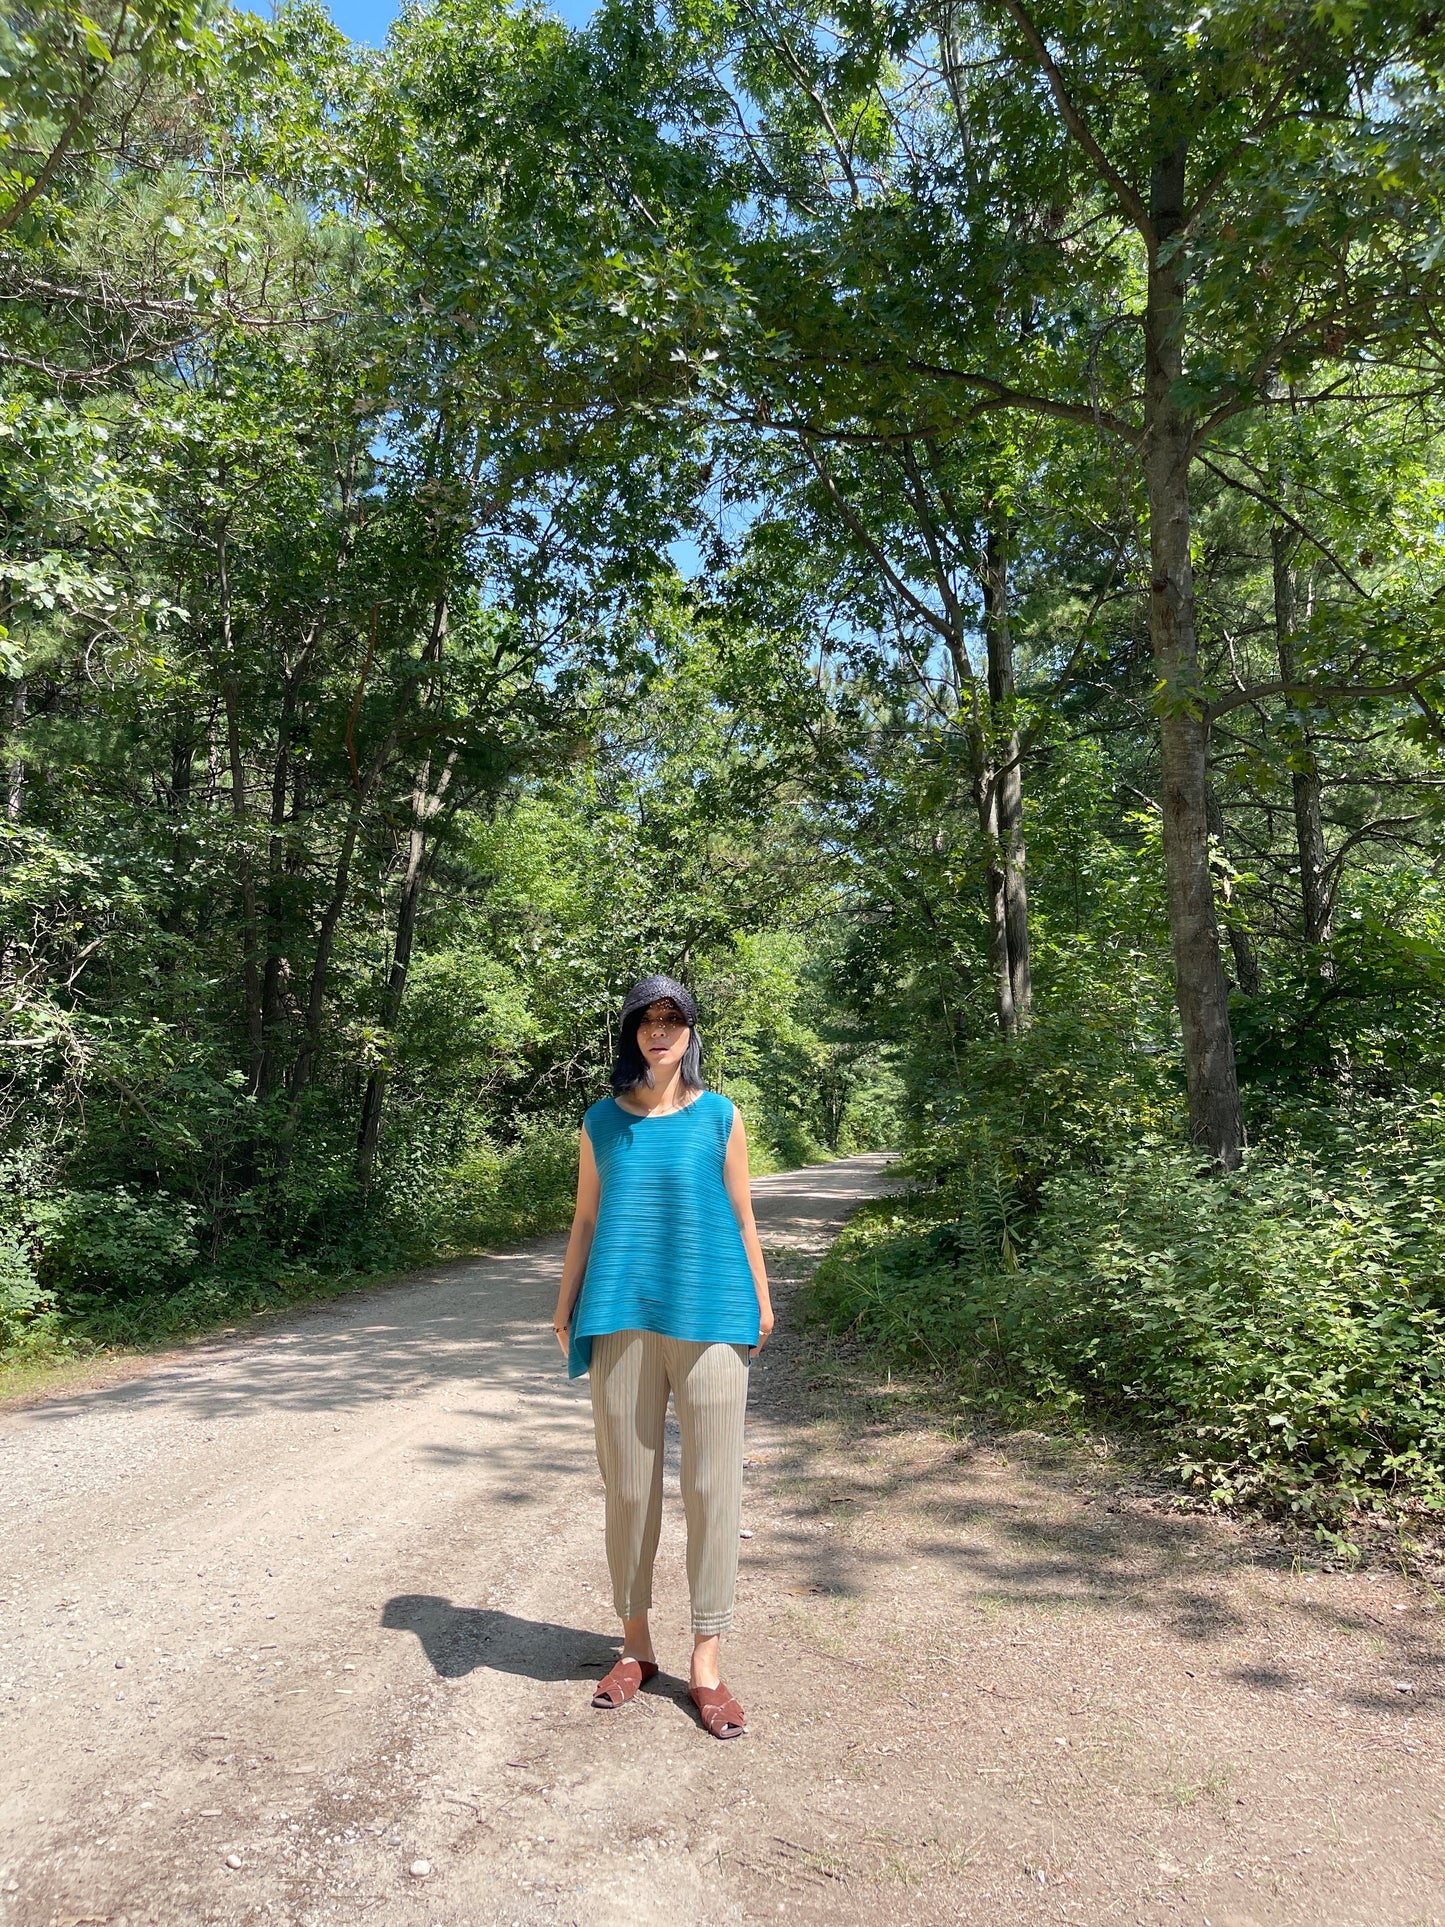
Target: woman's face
[[662, 1036]]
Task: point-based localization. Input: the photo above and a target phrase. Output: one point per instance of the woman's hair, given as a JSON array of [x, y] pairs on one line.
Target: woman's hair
[[631, 1067]]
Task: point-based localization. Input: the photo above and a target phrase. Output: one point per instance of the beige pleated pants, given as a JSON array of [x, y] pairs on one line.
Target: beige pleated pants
[[632, 1374]]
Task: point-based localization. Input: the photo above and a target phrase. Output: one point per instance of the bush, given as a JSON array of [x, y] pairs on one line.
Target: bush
[[27, 1311], [1068, 1094], [1284, 1328], [118, 1269], [114, 1243], [493, 1196]]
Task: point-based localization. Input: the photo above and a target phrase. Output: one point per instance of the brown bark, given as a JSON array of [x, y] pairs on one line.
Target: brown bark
[[183, 763], [15, 798], [1215, 1120], [995, 751], [274, 974], [250, 922], [309, 1054], [1246, 964], [1008, 778], [306, 1057], [996, 882], [178, 805], [425, 807], [1316, 909]]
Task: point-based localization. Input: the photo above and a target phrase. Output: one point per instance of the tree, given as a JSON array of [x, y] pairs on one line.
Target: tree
[[1134, 222]]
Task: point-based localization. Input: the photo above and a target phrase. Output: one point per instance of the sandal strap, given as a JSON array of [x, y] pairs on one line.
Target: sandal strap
[[622, 1682], [718, 1709]]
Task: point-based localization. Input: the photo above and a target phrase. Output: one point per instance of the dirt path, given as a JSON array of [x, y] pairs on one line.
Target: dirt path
[[284, 1618]]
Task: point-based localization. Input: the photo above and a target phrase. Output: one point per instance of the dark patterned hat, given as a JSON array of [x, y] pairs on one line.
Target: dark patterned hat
[[651, 990]]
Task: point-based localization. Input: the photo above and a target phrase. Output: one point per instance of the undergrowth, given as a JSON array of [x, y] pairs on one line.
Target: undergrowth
[[86, 1270], [1280, 1330]]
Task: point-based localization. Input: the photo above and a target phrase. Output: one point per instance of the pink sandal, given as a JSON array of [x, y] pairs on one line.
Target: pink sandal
[[719, 1711], [621, 1684]]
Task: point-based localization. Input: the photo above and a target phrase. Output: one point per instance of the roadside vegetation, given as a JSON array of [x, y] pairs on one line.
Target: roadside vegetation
[[926, 523]]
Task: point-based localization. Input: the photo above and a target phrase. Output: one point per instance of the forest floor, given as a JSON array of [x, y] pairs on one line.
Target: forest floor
[[989, 1679]]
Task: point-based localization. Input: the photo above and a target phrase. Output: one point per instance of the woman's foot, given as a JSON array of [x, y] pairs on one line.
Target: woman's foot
[[622, 1683], [719, 1712]]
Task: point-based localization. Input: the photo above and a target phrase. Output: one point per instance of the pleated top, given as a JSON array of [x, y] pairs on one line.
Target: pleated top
[[667, 1255]]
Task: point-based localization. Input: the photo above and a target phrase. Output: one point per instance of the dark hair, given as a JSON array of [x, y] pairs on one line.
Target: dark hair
[[631, 1067]]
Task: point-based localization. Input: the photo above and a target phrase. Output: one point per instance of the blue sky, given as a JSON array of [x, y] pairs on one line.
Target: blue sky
[[368, 20]]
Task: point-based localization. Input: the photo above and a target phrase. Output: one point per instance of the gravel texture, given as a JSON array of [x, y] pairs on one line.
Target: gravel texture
[[299, 1627]]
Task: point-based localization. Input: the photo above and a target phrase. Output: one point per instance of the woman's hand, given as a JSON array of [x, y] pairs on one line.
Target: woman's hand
[[559, 1331], [765, 1328]]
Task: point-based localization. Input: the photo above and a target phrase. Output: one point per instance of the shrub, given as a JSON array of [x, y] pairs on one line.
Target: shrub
[[492, 1196], [1284, 1328], [115, 1243], [27, 1311]]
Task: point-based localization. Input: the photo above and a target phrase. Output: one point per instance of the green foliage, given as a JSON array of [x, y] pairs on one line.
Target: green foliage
[[114, 1269], [1373, 1017], [362, 741], [27, 1310], [1283, 1329], [113, 1243], [491, 1196]]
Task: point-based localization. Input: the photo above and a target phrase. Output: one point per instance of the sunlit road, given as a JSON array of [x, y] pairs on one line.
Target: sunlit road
[[297, 1625]]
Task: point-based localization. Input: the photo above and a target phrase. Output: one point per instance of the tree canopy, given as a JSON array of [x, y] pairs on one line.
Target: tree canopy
[[925, 521]]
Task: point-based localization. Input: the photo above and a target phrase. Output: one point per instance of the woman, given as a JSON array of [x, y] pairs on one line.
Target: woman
[[664, 1290]]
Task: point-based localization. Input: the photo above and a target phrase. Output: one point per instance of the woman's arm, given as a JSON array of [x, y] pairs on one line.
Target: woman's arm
[[740, 1196], [584, 1223]]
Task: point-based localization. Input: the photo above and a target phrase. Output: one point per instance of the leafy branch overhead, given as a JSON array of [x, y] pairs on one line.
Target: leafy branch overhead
[[925, 521]]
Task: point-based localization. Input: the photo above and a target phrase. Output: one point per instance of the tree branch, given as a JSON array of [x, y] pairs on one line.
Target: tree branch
[[1079, 127], [860, 534], [1221, 174], [1000, 395], [1305, 691], [1279, 509]]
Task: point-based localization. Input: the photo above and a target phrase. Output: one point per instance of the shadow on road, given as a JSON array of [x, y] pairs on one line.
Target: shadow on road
[[465, 1639]]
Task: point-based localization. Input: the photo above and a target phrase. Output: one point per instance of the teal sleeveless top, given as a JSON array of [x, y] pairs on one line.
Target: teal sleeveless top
[[667, 1255]]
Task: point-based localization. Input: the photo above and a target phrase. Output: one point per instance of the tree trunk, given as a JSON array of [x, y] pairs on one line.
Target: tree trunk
[[250, 921], [1009, 782], [310, 1050], [424, 808], [1315, 906], [274, 974], [1215, 1121], [997, 883], [15, 800], [178, 805], [250, 931], [1246, 964]]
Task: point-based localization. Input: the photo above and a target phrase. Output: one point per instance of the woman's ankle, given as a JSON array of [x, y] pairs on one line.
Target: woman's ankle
[[637, 1639], [705, 1660]]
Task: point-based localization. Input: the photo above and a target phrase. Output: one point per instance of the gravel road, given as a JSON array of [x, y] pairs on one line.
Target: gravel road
[[298, 1629], [297, 1626]]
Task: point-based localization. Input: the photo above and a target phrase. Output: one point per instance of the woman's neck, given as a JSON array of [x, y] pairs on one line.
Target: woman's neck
[[665, 1093]]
